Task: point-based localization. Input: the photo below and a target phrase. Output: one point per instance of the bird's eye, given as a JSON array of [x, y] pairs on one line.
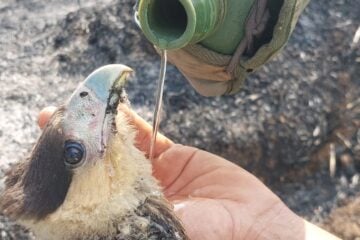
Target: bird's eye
[[73, 153]]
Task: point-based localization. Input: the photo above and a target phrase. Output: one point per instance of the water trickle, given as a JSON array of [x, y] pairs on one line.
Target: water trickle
[[158, 104]]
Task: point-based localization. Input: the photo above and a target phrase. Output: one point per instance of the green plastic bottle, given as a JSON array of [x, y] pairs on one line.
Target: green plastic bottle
[[173, 24], [229, 34]]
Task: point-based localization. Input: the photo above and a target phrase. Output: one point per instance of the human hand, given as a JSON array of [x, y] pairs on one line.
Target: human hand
[[214, 198]]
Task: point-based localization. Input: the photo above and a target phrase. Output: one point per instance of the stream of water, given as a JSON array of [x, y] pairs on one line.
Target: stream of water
[[158, 104]]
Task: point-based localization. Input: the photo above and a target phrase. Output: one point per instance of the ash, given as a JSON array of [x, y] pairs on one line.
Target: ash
[[279, 127]]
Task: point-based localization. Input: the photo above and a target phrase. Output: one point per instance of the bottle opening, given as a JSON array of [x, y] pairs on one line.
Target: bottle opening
[[167, 19]]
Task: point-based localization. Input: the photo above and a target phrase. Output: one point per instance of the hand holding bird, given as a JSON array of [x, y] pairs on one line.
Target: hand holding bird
[[214, 198]]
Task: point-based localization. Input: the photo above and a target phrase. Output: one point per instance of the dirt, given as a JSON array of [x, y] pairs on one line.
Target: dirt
[[290, 117], [345, 221]]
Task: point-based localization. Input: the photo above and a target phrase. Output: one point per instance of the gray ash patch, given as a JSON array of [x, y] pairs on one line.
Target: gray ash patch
[[11, 231], [279, 126]]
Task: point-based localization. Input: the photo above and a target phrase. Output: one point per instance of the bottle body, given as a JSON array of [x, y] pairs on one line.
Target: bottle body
[[227, 37]]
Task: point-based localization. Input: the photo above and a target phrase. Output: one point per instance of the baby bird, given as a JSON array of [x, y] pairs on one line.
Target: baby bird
[[85, 179]]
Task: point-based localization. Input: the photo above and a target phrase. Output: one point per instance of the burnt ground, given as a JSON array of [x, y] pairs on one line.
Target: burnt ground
[[284, 126]]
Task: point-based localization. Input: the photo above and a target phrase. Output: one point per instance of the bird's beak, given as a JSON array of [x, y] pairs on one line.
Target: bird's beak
[[107, 80]]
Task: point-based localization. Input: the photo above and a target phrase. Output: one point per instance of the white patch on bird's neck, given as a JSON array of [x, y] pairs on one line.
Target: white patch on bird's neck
[[101, 194]]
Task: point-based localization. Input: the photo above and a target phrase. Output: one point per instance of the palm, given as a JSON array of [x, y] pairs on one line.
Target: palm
[[194, 181]]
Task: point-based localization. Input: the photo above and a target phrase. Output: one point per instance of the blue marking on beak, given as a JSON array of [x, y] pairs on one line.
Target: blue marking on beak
[[103, 79]]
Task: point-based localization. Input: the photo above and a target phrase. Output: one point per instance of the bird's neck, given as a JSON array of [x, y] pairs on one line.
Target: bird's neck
[[102, 197]]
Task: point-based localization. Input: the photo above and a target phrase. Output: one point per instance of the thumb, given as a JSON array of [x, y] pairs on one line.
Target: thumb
[[45, 115]]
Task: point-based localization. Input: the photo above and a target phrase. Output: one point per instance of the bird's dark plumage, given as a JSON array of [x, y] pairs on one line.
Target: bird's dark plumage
[[162, 223], [37, 186]]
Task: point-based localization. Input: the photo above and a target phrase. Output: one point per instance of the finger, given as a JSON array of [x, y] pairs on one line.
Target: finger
[[170, 165], [144, 134], [180, 168], [45, 115]]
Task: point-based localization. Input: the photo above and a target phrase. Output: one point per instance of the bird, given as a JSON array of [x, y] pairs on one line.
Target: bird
[[85, 178]]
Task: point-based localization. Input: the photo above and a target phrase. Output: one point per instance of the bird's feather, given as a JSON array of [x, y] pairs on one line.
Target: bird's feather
[[38, 185]]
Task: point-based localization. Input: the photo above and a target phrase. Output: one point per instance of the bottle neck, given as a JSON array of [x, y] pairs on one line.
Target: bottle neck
[[173, 24]]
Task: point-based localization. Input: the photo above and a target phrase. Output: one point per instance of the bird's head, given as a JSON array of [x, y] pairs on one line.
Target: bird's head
[[84, 168]]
